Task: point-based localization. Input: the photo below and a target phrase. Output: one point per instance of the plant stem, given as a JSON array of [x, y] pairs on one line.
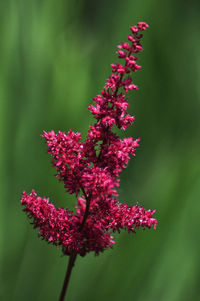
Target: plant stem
[[67, 276], [85, 215], [73, 253]]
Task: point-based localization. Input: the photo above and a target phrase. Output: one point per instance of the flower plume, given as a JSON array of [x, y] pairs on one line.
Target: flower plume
[[91, 169]]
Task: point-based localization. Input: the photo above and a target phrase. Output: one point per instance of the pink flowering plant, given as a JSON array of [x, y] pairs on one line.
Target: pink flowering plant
[[91, 171]]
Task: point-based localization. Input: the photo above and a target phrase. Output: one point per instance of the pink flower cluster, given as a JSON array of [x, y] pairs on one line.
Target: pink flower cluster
[[91, 169]]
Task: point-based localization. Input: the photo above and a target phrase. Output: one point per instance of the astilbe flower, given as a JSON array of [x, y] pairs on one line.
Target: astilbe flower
[[91, 169]]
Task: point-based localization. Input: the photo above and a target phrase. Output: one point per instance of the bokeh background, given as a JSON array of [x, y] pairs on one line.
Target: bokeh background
[[54, 57]]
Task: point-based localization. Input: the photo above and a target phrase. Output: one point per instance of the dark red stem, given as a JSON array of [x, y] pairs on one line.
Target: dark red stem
[[73, 255], [68, 274]]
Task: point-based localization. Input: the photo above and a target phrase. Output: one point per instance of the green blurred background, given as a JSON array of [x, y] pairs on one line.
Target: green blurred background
[[54, 57]]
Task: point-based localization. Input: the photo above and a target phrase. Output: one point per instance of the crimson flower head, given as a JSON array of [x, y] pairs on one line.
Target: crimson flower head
[[90, 170]]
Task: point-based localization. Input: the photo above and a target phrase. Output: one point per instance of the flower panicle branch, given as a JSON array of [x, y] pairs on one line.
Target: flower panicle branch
[[91, 169]]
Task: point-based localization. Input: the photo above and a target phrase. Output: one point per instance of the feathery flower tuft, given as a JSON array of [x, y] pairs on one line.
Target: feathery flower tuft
[[91, 169]]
